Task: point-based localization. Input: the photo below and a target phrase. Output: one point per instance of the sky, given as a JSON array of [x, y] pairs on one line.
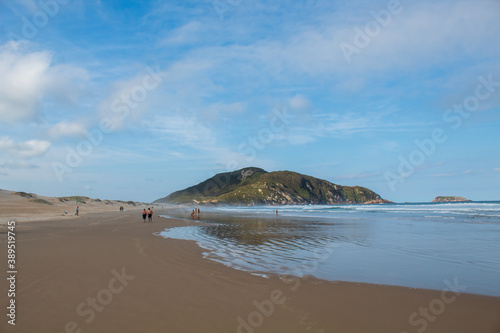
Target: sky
[[133, 100]]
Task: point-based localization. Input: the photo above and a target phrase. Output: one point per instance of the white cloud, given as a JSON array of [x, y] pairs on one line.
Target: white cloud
[[214, 111], [446, 174], [299, 102], [27, 149], [188, 131], [452, 174], [19, 164], [130, 99], [429, 34], [425, 35], [345, 124], [188, 33], [496, 169], [65, 128], [30, 77], [299, 139]]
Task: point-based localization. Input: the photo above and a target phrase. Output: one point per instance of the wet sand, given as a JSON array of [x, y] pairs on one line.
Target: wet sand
[[108, 272]]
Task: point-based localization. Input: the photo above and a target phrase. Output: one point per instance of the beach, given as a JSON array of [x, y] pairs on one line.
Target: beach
[[108, 272], [22, 206]]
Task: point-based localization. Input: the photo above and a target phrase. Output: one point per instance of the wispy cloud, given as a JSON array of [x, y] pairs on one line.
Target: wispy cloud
[[27, 149], [67, 129], [362, 175], [130, 99], [187, 34], [461, 173], [185, 130], [427, 31], [19, 164], [429, 166]]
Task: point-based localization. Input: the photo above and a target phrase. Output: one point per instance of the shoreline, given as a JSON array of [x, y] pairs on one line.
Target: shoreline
[[171, 287], [236, 248]]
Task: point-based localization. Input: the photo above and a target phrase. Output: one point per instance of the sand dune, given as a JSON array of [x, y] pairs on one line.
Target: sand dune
[[21, 206]]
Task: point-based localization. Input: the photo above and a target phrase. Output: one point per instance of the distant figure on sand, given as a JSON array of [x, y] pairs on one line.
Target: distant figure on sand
[[144, 214], [150, 215], [77, 210], [193, 214], [122, 209], [276, 212]]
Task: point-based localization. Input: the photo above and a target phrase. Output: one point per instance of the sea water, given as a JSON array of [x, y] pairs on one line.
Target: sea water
[[414, 245]]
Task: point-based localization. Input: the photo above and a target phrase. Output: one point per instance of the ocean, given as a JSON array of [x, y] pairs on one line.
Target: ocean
[[419, 245]]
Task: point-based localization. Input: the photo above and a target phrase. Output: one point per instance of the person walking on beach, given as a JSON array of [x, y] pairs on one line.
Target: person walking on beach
[[144, 214], [77, 210], [150, 215]]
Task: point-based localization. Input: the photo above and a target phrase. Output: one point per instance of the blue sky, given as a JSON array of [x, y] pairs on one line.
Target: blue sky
[[136, 99]]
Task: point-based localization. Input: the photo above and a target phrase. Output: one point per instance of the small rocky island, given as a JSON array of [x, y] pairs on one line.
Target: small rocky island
[[450, 199]]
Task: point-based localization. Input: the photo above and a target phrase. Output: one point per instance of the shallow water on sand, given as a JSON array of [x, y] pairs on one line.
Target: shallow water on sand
[[414, 245]]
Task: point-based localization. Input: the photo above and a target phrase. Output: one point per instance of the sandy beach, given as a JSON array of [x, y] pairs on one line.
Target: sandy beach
[[22, 206], [109, 272]]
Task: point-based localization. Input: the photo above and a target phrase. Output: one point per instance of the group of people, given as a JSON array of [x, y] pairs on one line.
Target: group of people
[[148, 214], [195, 214]]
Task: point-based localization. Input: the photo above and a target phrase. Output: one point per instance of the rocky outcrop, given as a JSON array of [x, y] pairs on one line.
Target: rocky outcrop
[[378, 202], [26, 195], [450, 199]]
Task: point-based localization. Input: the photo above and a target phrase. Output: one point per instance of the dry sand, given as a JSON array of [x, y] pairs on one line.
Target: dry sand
[[144, 283], [22, 206]]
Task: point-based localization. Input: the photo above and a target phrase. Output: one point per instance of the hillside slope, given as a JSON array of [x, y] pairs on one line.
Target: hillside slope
[[254, 186]]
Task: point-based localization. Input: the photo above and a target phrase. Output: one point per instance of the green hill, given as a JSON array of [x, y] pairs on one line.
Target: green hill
[[254, 186]]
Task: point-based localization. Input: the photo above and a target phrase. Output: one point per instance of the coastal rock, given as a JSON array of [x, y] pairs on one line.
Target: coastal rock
[[254, 186], [25, 195], [450, 199], [378, 201]]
